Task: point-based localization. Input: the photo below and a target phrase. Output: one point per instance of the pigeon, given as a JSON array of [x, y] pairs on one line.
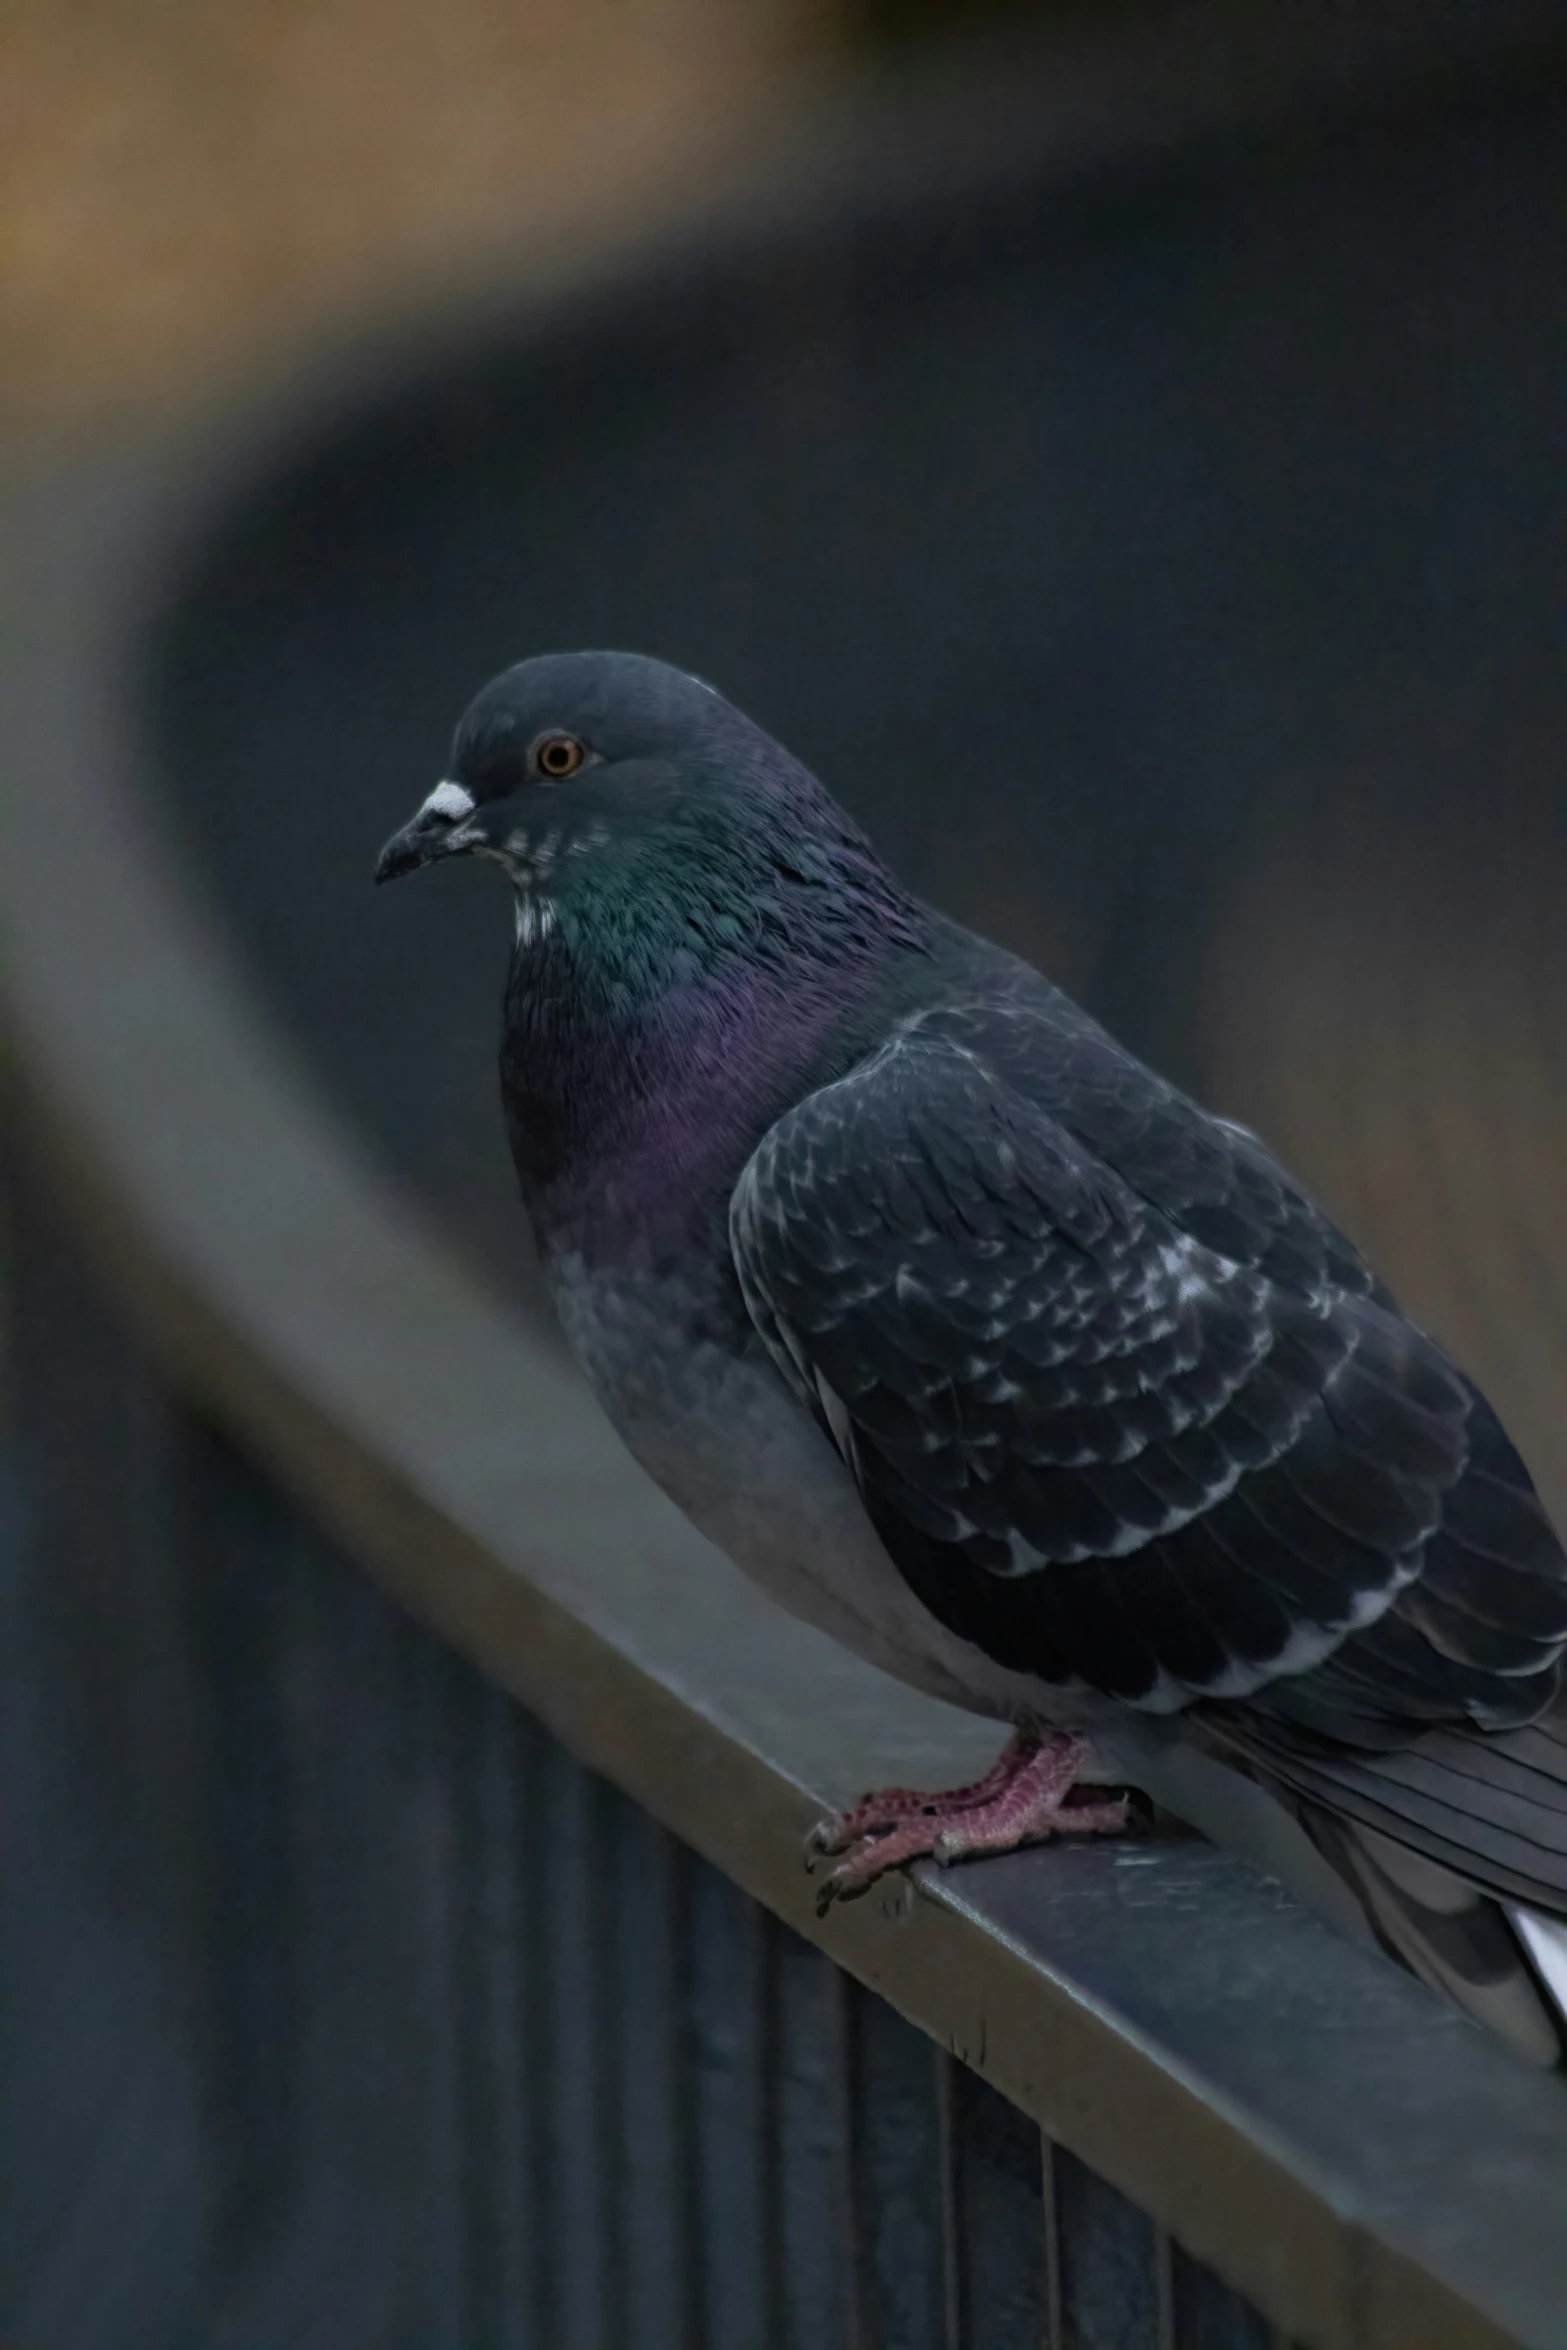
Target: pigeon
[[992, 1355]]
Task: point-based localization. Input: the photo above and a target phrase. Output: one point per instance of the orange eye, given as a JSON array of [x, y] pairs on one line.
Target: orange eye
[[556, 755]]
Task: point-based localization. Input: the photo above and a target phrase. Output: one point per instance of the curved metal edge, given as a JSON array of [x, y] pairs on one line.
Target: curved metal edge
[[289, 1287]]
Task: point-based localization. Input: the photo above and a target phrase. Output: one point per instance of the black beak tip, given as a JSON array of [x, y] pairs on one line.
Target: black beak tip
[[431, 834], [400, 856]]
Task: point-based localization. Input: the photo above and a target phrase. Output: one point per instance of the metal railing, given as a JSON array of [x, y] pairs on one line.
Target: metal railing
[[407, 1938], [358, 2011]]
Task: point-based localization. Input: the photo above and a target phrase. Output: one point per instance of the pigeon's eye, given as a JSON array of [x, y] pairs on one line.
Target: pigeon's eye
[[556, 755]]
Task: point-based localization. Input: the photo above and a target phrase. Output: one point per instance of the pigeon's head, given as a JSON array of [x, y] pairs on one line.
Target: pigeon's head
[[568, 757], [624, 797]]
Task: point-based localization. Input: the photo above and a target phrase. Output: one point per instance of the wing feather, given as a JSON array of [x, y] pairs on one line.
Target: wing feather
[[1139, 1421]]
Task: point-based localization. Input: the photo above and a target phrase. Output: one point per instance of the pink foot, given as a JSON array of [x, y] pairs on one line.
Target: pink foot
[[892, 1807], [1023, 1800]]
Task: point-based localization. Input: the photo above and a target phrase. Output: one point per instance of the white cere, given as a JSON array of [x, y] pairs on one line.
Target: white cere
[[449, 799]]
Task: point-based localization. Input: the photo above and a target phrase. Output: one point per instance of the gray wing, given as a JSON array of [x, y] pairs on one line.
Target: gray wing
[[1099, 1446], [1127, 1411]]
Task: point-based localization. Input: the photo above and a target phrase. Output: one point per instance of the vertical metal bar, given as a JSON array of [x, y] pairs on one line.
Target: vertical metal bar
[[1109, 2281], [436, 1718], [999, 2225], [722, 1992], [1164, 2287], [1055, 2332], [362, 2152], [679, 1871], [539, 2215], [241, 1572], [495, 1828], [854, 2233], [579, 2199], [954, 2298], [898, 2162], [661, 2312], [766, 2032], [618, 2022], [811, 2260]]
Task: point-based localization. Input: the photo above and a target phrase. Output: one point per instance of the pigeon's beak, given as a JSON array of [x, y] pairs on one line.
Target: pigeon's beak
[[440, 829]]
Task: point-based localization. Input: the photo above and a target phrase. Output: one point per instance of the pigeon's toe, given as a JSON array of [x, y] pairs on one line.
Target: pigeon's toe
[[1002, 1827], [1024, 1798], [877, 1854]]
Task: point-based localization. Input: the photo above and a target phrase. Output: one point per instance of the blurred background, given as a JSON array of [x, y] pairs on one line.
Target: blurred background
[[1121, 447], [188, 193]]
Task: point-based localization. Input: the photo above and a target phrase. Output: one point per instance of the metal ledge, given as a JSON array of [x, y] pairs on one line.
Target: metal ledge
[[1367, 2168]]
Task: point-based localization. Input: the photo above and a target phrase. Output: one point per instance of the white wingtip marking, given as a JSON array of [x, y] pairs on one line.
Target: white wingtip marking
[[1545, 1939], [449, 799]]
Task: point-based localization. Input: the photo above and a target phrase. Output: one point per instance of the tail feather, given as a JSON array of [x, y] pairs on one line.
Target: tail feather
[[1490, 1806], [1454, 1848], [1545, 1943], [1503, 1964]]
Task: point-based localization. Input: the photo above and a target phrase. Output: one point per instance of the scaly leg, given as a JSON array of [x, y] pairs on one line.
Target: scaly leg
[[1025, 1798]]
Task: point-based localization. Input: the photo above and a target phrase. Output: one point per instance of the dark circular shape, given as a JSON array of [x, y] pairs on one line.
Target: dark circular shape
[[556, 756]]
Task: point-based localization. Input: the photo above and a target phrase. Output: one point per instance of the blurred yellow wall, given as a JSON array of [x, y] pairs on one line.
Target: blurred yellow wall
[[189, 187]]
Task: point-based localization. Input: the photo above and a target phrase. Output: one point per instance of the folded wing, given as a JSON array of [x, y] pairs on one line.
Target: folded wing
[[1125, 1409]]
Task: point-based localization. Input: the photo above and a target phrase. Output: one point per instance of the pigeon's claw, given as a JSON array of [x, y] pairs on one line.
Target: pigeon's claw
[[1026, 1798]]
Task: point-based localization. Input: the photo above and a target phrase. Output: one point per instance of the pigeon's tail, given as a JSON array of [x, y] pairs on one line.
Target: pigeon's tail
[[1504, 1964], [1455, 1848], [1469, 1893]]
